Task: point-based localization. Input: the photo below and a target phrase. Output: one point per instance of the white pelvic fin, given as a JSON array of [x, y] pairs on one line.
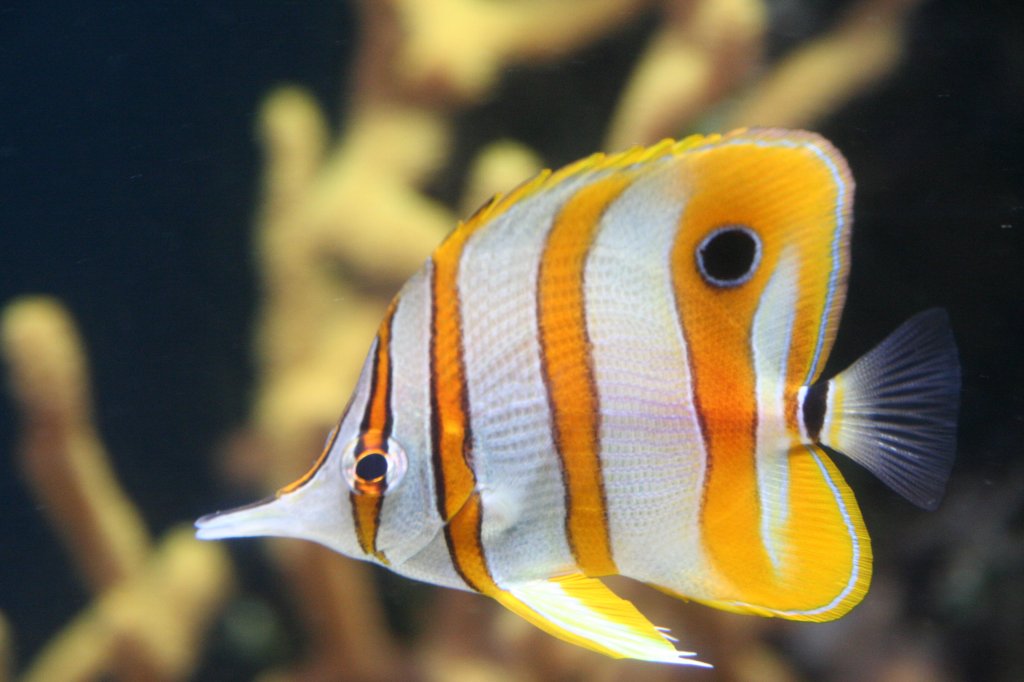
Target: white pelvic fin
[[894, 410], [583, 611]]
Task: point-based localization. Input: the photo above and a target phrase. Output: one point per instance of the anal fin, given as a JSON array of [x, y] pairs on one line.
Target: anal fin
[[585, 612], [822, 551]]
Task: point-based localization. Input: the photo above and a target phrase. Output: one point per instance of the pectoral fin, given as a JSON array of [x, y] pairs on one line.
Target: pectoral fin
[[583, 611]]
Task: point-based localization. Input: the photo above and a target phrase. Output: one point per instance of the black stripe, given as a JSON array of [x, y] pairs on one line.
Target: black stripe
[[380, 351], [364, 425], [698, 408], [389, 380], [435, 411], [436, 428]]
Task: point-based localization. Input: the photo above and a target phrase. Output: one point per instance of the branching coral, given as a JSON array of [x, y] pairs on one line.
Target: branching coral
[[152, 600], [341, 225]]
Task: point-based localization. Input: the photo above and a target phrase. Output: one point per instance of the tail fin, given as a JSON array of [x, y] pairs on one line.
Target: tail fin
[[894, 410]]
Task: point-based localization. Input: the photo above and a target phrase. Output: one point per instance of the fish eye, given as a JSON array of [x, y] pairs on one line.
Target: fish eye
[[371, 467], [729, 255], [373, 470]]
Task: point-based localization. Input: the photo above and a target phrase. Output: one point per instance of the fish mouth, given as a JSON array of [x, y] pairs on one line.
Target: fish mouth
[[309, 512], [255, 519], [210, 525]]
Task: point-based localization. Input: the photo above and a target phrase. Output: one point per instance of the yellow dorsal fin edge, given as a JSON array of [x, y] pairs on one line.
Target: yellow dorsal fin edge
[[598, 162]]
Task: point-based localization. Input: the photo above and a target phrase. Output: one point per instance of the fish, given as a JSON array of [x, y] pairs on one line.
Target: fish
[[615, 369]]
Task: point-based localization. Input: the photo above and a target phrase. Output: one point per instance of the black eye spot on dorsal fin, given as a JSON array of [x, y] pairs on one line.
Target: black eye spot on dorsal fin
[[729, 256]]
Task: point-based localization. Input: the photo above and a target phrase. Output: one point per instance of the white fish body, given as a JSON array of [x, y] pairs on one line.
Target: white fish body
[[614, 370]]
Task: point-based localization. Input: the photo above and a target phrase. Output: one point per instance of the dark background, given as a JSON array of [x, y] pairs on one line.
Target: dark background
[[129, 177], [128, 180]]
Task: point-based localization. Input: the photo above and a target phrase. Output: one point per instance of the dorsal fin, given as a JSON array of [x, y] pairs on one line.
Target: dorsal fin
[[595, 163]]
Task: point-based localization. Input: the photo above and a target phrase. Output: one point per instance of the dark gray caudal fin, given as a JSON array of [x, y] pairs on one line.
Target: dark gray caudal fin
[[894, 410]]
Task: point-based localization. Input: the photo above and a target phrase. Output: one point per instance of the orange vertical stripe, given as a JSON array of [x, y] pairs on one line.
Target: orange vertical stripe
[[366, 513], [450, 430], [716, 324], [569, 374], [375, 430], [787, 195], [722, 376], [450, 414], [463, 537]]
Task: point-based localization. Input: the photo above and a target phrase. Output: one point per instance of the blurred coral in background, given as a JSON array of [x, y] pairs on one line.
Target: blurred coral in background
[[342, 221]]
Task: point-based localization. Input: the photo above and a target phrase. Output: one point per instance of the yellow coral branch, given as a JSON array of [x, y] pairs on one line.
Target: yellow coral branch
[[825, 73], [59, 450], [147, 627], [6, 656], [703, 51], [453, 51], [151, 607], [498, 168]]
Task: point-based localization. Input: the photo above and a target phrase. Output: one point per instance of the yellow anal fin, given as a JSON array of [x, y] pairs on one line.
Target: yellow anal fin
[[823, 549], [583, 611]]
